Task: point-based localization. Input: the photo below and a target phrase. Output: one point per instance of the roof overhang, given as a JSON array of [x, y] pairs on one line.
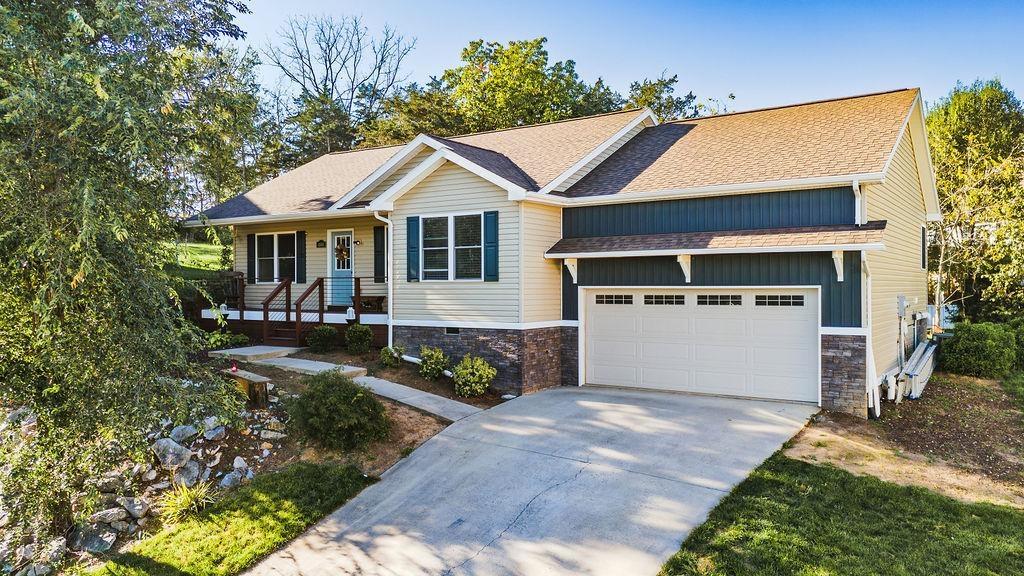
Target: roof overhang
[[707, 251], [915, 125], [284, 217]]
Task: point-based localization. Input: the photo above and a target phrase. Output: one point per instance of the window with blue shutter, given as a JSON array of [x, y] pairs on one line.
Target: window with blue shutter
[[250, 258], [490, 246], [412, 248], [380, 251], [300, 257]]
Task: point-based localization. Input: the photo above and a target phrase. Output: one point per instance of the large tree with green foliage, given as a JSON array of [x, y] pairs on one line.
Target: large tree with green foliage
[[976, 135], [99, 103], [505, 85]]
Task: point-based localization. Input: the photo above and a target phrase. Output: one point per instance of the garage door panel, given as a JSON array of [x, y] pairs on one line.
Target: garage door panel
[[674, 344]]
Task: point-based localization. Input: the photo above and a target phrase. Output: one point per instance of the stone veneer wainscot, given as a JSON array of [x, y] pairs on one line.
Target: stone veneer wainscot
[[843, 369]]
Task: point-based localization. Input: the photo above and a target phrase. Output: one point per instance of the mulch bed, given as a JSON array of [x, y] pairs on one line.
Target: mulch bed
[[971, 423], [406, 374]]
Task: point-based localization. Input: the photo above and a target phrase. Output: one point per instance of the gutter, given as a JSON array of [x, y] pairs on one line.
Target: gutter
[[389, 255], [283, 217]]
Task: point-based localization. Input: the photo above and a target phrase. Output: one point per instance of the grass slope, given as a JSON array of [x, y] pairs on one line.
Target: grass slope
[[196, 261], [790, 517], [244, 526]]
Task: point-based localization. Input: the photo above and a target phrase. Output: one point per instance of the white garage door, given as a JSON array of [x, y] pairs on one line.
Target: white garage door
[[741, 342]]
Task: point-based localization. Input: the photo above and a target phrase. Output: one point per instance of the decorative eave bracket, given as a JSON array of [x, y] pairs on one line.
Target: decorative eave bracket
[[684, 263], [837, 259], [570, 265]]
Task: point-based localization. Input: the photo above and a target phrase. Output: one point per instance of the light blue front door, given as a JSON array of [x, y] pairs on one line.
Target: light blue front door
[[341, 258]]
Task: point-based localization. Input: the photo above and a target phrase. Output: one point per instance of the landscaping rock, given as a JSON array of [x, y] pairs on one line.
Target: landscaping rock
[[508, 396], [215, 434], [171, 454], [231, 479], [160, 485], [266, 445], [54, 551], [239, 463], [5, 518], [109, 515], [183, 433], [271, 435], [125, 527], [205, 474], [35, 569], [149, 475], [187, 474], [216, 460], [137, 507], [94, 539], [209, 422], [110, 482]]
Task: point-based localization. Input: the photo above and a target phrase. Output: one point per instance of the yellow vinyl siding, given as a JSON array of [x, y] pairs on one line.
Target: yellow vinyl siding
[[316, 258], [600, 158], [453, 189], [542, 278], [396, 176], [896, 270]]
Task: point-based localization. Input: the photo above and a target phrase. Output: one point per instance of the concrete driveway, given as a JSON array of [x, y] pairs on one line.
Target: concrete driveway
[[565, 481]]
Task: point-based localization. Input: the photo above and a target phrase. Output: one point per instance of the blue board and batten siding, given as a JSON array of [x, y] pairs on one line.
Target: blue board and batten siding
[[841, 301]]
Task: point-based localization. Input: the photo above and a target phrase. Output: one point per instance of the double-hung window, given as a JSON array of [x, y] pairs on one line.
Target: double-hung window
[[452, 247], [275, 257]]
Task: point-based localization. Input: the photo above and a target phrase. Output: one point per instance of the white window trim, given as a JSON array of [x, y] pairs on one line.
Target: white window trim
[[277, 271], [451, 246]]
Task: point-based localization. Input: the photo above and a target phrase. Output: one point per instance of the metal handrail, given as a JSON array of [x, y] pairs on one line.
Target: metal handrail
[[286, 286]]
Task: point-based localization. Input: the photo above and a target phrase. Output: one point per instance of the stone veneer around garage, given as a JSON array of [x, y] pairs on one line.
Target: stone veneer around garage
[[843, 372], [527, 360]]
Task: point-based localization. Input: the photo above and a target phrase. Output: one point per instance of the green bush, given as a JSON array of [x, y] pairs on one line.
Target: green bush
[[984, 349], [322, 339], [181, 501], [358, 338], [391, 357], [1017, 326], [337, 413], [433, 362], [219, 340], [472, 376]]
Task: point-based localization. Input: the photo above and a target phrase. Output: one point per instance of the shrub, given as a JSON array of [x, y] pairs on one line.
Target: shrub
[[358, 338], [984, 349], [433, 362], [472, 376], [181, 502], [322, 338], [219, 340], [337, 413], [391, 357], [1017, 327]]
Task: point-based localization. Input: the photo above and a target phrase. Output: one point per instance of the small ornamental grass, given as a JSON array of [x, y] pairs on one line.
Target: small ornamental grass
[[391, 357], [338, 414], [181, 501], [322, 339], [985, 349], [472, 376], [433, 362], [358, 338]]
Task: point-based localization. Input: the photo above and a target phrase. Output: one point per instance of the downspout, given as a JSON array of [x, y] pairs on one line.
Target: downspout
[[871, 377], [389, 255]]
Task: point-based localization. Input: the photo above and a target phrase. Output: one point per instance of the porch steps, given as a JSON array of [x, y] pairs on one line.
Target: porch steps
[[254, 353], [304, 366]]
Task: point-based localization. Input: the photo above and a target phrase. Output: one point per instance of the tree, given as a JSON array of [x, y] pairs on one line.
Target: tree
[[341, 77], [976, 135], [96, 119], [658, 96]]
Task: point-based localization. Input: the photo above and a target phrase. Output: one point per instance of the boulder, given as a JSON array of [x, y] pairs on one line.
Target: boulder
[[109, 515], [94, 539], [231, 479], [183, 433], [110, 482], [239, 463], [187, 474], [275, 425], [125, 527], [209, 422], [137, 507], [215, 434], [271, 435], [171, 454], [35, 569]]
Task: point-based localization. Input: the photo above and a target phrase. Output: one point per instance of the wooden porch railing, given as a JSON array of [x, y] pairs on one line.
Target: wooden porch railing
[[282, 309], [300, 324]]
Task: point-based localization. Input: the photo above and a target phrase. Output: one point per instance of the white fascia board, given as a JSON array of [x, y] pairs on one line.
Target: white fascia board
[[706, 251], [386, 200], [283, 217], [702, 191], [386, 169], [645, 115], [515, 192]]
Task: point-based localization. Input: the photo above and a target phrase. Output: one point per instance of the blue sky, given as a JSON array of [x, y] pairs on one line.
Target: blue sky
[[766, 53]]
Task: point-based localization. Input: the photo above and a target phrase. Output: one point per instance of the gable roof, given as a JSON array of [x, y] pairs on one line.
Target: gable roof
[[831, 138]]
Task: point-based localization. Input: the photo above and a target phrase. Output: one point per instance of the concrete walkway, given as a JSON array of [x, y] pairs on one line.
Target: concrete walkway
[[304, 366], [564, 481], [444, 408]]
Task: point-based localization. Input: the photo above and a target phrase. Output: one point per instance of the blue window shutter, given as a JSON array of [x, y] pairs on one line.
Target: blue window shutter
[[300, 257], [412, 248], [490, 246], [379, 254], [250, 258]]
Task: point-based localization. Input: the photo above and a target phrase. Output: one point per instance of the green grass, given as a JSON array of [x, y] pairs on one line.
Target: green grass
[[1014, 386], [244, 526], [790, 517], [196, 261]]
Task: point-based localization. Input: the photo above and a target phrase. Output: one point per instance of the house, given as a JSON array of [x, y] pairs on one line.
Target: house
[[776, 253]]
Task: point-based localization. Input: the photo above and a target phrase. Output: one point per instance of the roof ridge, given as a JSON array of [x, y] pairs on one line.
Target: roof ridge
[[562, 121], [796, 105], [381, 147]]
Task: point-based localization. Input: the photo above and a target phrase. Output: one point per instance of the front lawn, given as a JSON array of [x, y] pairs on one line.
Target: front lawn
[[790, 517], [244, 526]]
